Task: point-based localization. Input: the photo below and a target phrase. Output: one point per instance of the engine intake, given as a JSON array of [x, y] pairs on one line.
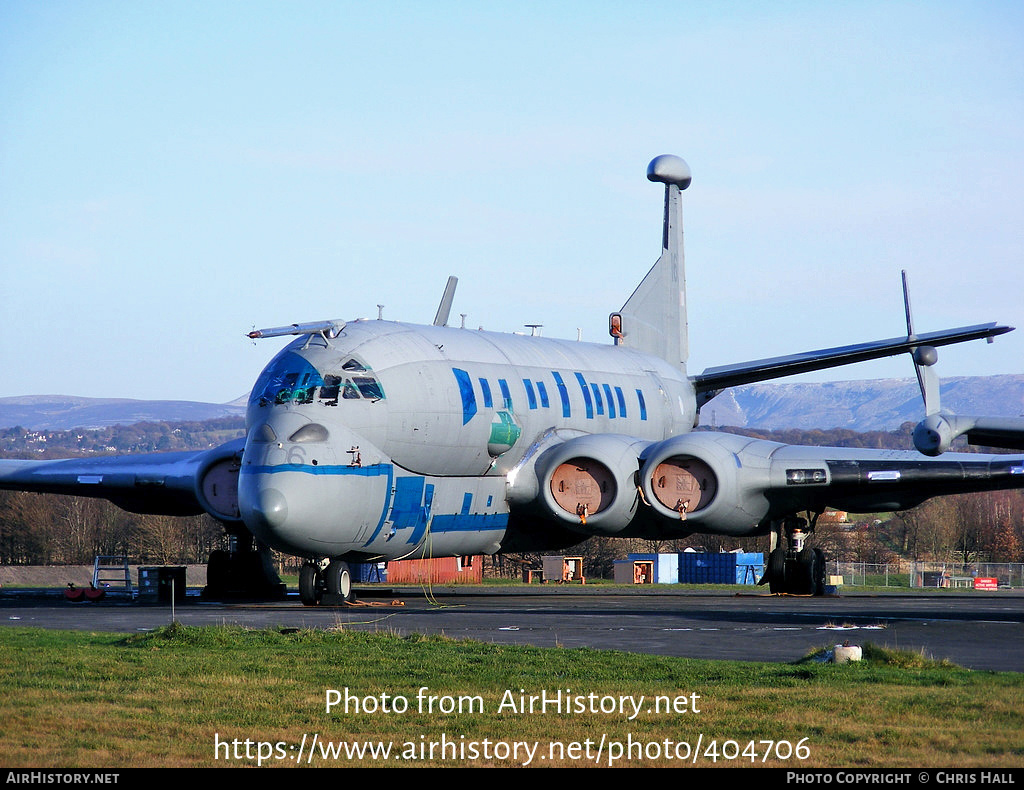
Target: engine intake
[[217, 483], [590, 482], [714, 480]]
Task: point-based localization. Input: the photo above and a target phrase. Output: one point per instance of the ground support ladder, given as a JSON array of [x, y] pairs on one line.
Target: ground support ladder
[[112, 575]]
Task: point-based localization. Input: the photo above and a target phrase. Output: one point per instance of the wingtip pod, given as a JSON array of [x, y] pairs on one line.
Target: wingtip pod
[[669, 169]]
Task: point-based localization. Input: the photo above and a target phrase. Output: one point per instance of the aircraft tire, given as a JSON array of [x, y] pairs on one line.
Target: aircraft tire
[[808, 572], [218, 570], [310, 589], [819, 578], [339, 580], [776, 571]]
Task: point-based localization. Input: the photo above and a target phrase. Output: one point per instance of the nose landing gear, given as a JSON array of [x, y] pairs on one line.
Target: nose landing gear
[[325, 582]]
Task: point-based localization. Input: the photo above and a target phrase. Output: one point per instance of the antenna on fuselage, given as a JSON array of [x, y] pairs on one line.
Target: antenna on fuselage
[[443, 309]]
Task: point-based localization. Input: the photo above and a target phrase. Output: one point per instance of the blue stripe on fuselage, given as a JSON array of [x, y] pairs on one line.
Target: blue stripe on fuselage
[[481, 522], [374, 470]]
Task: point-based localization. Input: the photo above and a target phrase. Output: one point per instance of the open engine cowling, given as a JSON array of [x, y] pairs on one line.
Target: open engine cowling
[[713, 481], [590, 482]]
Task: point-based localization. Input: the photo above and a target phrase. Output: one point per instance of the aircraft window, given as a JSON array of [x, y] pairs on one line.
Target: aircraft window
[[370, 388], [350, 392], [287, 392], [289, 377], [329, 391], [353, 365]]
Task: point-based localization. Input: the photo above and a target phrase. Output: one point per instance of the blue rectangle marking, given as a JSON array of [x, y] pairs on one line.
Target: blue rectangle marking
[[543, 392], [468, 396], [531, 396], [611, 403], [563, 393], [587, 402], [505, 394]]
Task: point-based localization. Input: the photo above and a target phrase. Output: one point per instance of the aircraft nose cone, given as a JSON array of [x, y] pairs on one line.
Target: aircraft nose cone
[[272, 507]]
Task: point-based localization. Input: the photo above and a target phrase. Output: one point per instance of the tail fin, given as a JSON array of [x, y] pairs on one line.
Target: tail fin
[[653, 319]]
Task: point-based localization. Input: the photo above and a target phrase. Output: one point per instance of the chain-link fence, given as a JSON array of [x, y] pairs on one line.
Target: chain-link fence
[[948, 575], [967, 576]]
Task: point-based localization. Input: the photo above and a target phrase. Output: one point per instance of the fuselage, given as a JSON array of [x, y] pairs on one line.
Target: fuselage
[[395, 440]]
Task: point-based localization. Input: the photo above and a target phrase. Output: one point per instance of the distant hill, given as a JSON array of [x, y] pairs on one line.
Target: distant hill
[[64, 412], [871, 405]]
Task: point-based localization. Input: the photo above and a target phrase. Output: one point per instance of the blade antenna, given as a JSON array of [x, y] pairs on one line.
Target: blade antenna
[[443, 309]]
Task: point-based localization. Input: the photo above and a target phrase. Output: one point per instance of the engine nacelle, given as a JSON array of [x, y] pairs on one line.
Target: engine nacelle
[[715, 482], [217, 482], [590, 482]]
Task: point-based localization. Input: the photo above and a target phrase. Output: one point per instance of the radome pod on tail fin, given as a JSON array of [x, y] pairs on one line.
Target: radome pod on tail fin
[[653, 320]]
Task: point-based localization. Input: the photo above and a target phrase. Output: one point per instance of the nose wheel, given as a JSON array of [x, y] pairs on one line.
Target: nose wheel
[[325, 582]]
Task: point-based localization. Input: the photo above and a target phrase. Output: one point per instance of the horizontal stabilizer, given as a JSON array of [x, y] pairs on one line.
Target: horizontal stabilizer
[[714, 379], [1005, 432]]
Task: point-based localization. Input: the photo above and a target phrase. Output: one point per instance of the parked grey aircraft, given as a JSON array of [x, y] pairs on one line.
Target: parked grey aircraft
[[374, 440]]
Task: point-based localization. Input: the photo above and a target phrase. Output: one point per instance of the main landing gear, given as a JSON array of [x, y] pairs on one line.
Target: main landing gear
[[797, 570], [326, 581], [245, 571]]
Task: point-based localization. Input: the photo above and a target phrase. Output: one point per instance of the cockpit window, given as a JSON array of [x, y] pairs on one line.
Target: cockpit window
[[351, 393], [288, 378], [329, 391], [291, 379], [369, 388]]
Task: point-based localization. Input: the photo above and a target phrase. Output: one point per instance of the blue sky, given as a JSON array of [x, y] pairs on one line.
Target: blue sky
[[174, 173]]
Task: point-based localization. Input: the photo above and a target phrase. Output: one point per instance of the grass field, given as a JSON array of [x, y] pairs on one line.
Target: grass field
[[228, 696]]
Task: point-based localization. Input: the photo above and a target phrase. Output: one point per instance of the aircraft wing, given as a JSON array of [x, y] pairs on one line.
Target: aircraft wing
[[180, 483], [723, 483], [712, 380]]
